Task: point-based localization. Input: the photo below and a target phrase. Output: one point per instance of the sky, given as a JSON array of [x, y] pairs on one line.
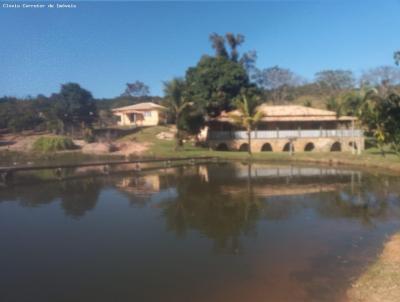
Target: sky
[[103, 45]]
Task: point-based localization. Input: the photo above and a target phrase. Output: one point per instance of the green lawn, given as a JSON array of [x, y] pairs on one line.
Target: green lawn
[[166, 148]]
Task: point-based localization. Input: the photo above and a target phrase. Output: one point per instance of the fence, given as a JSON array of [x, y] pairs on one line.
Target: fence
[[224, 135]]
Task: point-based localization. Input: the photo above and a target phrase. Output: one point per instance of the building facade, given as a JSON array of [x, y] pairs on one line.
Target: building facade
[[141, 114], [288, 128]]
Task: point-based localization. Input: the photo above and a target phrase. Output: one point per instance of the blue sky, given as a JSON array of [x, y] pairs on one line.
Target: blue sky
[[103, 45]]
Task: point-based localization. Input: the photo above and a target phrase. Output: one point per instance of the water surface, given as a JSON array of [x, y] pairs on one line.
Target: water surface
[[217, 232]]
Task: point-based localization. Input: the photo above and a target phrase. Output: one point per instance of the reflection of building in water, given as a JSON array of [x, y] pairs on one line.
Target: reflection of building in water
[[143, 185], [272, 180], [284, 189], [203, 172], [160, 181], [261, 170]]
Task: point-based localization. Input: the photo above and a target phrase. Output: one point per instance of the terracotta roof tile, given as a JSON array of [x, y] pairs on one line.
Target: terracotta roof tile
[[141, 106]]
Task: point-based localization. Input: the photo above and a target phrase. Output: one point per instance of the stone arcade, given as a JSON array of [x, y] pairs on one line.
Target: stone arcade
[[303, 129]]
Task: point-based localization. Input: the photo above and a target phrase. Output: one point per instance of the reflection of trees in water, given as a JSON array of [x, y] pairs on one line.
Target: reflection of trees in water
[[77, 196], [374, 199], [228, 207], [369, 200], [222, 206], [364, 204], [201, 206]]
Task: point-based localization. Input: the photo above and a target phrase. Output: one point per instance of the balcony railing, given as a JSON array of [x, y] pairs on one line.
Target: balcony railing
[[270, 134]]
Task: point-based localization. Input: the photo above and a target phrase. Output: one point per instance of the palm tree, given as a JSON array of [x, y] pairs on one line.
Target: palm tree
[[174, 92], [248, 116], [397, 57], [371, 116]]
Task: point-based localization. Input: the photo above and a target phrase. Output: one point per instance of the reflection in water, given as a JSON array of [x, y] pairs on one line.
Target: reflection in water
[[288, 233], [76, 196]]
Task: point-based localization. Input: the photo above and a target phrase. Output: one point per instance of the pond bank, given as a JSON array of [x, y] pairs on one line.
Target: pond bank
[[368, 160], [381, 281]]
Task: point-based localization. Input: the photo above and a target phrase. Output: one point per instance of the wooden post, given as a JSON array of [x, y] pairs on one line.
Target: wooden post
[[7, 176], [137, 167]]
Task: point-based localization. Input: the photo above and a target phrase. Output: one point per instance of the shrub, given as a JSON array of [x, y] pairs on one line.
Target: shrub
[[53, 143], [89, 136]]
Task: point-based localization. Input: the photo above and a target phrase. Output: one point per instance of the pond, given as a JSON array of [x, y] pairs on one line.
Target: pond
[[209, 232]]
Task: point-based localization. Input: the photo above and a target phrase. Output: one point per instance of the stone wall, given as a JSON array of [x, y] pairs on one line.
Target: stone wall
[[344, 144]]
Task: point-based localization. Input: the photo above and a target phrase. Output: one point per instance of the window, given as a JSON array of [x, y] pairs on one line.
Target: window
[[147, 113]]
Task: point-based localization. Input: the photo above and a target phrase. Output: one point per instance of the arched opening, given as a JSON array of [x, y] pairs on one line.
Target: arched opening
[[222, 147], [336, 147], [244, 147], [266, 147], [309, 147], [286, 148], [353, 145]]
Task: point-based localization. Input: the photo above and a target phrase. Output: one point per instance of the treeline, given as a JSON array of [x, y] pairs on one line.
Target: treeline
[[228, 80], [215, 84], [71, 110]]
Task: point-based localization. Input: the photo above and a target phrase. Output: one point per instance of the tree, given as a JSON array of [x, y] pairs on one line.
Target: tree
[[234, 41], [397, 57], [247, 115], [352, 102], [20, 114], [276, 80], [174, 92], [390, 112], [248, 61], [381, 77], [214, 82], [73, 106], [218, 43], [191, 120], [137, 89], [346, 104], [333, 81], [381, 114], [333, 104]]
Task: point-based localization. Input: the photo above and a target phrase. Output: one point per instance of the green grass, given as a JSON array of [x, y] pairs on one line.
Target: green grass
[[53, 143], [160, 148], [165, 148]]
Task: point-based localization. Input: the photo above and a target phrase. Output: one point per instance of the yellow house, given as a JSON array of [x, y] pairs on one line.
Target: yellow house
[[141, 114]]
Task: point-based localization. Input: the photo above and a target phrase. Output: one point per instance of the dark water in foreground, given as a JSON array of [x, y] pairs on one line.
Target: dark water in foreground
[[218, 232]]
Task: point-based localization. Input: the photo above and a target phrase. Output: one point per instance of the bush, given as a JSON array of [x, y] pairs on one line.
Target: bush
[[89, 136], [53, 143]]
